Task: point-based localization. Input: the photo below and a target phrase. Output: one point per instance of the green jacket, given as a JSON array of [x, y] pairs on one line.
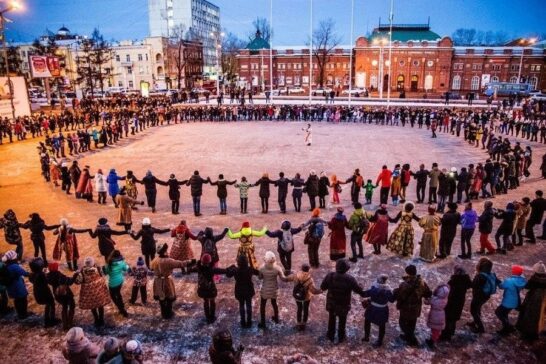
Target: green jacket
[[115, 272], [354, 221]]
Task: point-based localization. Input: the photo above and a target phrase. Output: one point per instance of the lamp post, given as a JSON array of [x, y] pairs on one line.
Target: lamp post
[[524, 42], [351, 50], [381, 42], [391, 15], [13, 5], [218, 46]]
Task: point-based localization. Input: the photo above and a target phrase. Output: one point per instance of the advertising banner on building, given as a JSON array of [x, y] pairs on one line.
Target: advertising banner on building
[[20, 97], [44, 66], [486, 78]]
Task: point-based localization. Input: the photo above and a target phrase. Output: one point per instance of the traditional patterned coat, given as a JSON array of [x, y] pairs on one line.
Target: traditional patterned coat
[[125, 204], [67, 243], [181, 248], [430, 239], [93, 292], [163, 283]]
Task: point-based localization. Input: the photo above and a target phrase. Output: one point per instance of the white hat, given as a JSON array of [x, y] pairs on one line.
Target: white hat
[[132, 346], [269, 257], [146, 221], [10, 255], [64, 221], [89, 262], [453, 169]]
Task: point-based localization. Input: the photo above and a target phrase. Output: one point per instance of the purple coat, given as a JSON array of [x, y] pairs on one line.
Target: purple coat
[[438, 301]]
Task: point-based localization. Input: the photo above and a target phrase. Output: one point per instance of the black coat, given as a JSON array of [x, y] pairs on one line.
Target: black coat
[[222, 187], [323, 185], [104, 235], [507, 225], [485, 221], [244, 287], [264, 183], [206, 288], [421, 176], [42, 293], [340, 285], [196, 185], [409, 296], [448, 229], [174, 188], [458, 285], [298, 183], [312, 186], [147, 244], [538, 206], [282, 184], [208, 243], [150, 182], [55, 279]]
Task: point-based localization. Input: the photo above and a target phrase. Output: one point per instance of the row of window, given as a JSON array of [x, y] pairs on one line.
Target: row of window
[[140, 57], [476, 80], [494, 67]]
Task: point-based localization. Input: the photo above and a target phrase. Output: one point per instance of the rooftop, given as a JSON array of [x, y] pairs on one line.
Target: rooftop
[[258, 43], [405, 33]]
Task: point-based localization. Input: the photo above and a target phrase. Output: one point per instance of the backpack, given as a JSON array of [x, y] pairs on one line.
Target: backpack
[[490, 286], [363, 225], [300, 290], [318, 230], [359, 181], [208, 247], [5, 277], [287, 241], [338, 188]]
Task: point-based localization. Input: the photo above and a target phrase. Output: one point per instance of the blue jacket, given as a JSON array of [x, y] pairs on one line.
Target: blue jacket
[[112, 180], [511, 286], [469, 219], [17, 288]]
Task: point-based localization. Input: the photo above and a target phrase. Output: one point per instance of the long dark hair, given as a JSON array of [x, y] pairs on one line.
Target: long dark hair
[[114, 256]]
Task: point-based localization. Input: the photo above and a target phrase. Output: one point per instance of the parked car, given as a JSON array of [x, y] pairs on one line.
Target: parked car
[[321, 91], [538, 96], [359, 91], [295, 90]]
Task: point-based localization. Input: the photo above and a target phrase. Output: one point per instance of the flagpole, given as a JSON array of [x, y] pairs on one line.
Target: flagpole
[[271, 50], [351, 50], [310, 51], [390, 56]]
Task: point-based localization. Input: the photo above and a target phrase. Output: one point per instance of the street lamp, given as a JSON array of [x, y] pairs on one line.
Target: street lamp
[[12, 5], [381, 42], [524, 42], [218, 46]]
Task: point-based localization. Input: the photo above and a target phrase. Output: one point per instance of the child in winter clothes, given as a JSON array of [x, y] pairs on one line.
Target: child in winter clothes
[[510, 298], [243, 193], [377, 308], [304, 279], [396, 186], [140, 281], [368, 188], [437, 316], [42, 293]]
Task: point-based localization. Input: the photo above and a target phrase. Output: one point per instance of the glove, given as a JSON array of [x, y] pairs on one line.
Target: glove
[[193, 262]]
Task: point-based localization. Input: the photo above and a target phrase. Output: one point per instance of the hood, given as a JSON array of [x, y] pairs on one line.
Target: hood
[[286, 225], [342, 266], [10, 215], [209, 233], [519, 281], [246, 231], [442, 291]]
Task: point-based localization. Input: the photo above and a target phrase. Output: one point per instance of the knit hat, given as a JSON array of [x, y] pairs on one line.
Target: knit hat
[[269, 257], [411, 270], [140, 261], [133, 347], [10, 255], [103, 221], [162, 248], [206, 259], [89, 262], [382, 279], [517, 270], [539, 268], [53, 266], [75, 337], [316, 212], [146, 221], [246, 224], [111, 345], [340, 209]]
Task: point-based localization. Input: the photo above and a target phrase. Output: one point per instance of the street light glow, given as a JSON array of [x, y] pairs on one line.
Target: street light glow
[[15, 5]]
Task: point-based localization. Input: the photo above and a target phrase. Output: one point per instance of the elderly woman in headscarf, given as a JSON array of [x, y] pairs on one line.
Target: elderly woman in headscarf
[[94, 293], [378, 232], [12, 233], [429, 242], [66, 242]]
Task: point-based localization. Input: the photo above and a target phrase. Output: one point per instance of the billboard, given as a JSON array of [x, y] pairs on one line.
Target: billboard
[[44, 66], [20, 97]]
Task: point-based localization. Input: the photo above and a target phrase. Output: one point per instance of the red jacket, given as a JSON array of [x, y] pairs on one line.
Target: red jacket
[[385, 178]]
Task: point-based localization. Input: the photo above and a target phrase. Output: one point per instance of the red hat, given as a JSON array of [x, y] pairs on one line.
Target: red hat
[[206, 259], [246, 224], [517, 270], [53, 266]]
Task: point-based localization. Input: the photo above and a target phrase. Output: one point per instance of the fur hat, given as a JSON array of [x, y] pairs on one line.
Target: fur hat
[[539, 267], [89, 262], [517, 270], [103, 221], [10, 255], [246, 224], [146, 221], [411, 270], [140, 261], [270, 257]]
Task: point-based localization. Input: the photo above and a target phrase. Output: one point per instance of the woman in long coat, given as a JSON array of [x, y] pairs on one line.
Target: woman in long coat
[[338, 239], [93, 293], [264, 193], [532, 314], [430, 239], [181, 248], [401, 240], [459, 284], [66, 242], [82, 189], [378, 233], [125, 206]]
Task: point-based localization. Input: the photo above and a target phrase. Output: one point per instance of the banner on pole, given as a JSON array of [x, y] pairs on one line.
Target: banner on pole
[[44, 66], [20, 97]]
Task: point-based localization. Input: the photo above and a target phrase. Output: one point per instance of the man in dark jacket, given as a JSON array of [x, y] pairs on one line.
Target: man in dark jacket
[[150, 181], [282, 183], [147, 244], [196, 183], [538, 206], [356, 184], [409, 299], [222, 192], [506, 228], [462, 184], [244, 288], [339, 285], [448, 229], [488, 178], [311, 187], [174, 193], [459, 283], [421, 176], [104, 233], [323, 185], [485, 227], [484, 284]]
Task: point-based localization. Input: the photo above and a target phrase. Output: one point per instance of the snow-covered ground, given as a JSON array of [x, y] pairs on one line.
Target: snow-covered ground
[[250, 149]]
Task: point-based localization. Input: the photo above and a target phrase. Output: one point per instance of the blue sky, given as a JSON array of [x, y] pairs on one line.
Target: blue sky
[[127, 19]]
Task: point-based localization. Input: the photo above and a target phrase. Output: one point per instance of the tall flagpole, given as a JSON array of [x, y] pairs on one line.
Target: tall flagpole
[[351, 50], [390, 56], [310, 51], [271, 50]]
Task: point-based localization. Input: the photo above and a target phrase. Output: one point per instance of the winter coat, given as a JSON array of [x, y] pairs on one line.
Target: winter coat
[[485, 225], [93, 291], [206, 287], [434, 177], [140, 275], [244, 287], [478, 284], [284, 244], [312, 186], [225, 357], [469, 219], [86, 355], [100, 183], [222, 187], [538, 206], [264, 183], [507, 225], [282, 184], [437, 316], [196, 185], [458, 285], [12, 233], [112, 180], [409, 296], [125, 209], [55, 279], [243, 189], [115, 271], [174, 188], [323, 185], [17, 287], [208, 243], [147, 244], [40, 288], [268, 274], [384, 178], [150, 182], [521, 216], [449, 223], [104, 235], [297, 183], [511, 286], [377, 311], [443, 185], [163, 284], [532, 314], [340, 285]]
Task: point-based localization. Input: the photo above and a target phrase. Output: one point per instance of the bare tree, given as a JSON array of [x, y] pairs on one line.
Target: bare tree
[[101, 57], [464, 36], [176, 47], [501, 37], [261, 24], [231, 44], [325, 40]]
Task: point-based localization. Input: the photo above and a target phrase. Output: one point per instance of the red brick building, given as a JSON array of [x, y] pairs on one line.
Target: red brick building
[[422, 61]]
